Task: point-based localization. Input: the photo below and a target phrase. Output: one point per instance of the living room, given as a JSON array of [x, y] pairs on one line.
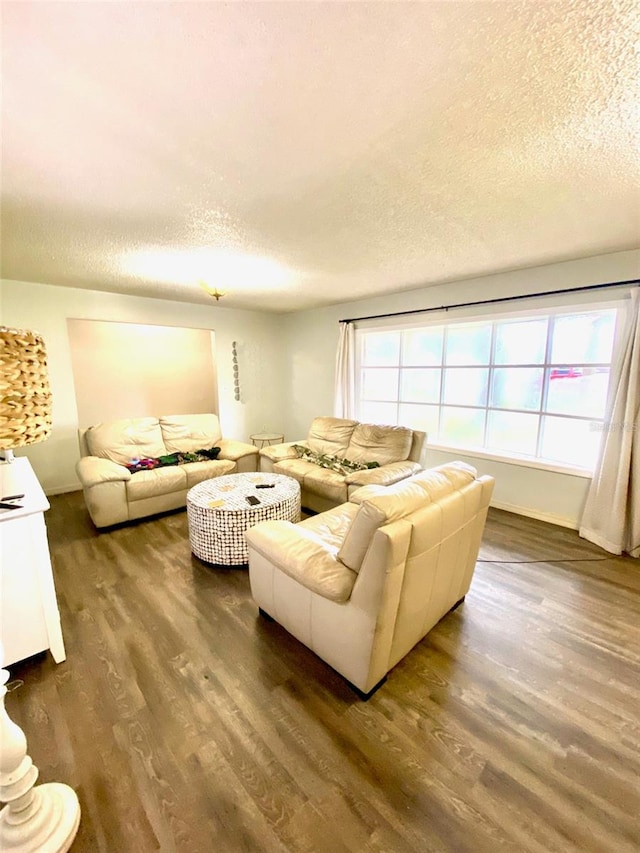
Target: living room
[[291, 354], [183, 720]]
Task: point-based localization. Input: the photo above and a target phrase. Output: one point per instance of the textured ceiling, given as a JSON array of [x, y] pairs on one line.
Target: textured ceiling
[[298, 154]]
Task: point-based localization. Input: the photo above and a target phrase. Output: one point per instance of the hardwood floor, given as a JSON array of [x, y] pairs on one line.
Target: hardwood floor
[[187, 723]]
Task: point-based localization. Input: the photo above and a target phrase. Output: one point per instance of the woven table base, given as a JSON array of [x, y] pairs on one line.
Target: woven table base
[[216, 533]]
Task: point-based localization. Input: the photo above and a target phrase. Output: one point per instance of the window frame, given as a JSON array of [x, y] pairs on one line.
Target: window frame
[[552, 308]]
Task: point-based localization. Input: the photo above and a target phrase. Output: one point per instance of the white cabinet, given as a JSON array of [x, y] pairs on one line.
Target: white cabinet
[[29, 616]]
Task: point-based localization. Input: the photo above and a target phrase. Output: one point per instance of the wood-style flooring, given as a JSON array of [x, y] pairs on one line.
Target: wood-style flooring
[[187, 723]]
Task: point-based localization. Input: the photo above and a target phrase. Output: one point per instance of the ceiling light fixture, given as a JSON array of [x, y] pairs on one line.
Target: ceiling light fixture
[[212, 291]]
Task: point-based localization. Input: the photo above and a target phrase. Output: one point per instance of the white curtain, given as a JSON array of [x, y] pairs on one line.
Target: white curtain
[[344, 405], [611, 515]]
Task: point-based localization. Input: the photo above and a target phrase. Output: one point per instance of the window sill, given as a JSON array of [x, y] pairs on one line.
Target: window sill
[[522, 461]]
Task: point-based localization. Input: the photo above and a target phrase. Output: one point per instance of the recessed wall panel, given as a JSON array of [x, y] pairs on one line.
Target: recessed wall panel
[[130, 370]]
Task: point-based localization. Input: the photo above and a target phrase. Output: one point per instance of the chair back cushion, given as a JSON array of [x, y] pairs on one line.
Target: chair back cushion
[[187, 433], [127, 439], [443, 479], [359, 535], [382, 505], [381, 444], [330, 435]]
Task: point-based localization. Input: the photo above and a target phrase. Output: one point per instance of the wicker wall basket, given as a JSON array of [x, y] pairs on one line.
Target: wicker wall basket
[[25, 396]]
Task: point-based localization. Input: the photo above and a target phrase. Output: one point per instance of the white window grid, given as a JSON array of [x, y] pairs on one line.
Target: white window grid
[[547, 366]]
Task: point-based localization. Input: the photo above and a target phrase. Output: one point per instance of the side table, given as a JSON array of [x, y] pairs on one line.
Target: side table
[[264, 439]]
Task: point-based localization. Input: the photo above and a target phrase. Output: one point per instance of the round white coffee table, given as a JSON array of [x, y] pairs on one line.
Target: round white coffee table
[[218, 513]]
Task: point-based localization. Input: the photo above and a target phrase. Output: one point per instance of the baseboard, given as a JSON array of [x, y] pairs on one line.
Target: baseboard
[[63, 490], [559, 520]]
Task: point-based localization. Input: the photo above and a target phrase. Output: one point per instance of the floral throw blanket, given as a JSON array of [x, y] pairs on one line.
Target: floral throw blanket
[[334, 463], [148, 463]]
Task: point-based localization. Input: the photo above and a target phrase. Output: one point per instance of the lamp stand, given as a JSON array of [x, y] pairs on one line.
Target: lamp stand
[[45, 817], [8, 455]]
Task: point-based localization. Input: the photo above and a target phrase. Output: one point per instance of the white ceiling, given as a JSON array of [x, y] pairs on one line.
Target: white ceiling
[[298, 154]]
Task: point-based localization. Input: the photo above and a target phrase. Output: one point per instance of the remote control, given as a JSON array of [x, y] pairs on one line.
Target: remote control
[[266, 486], [250, 499], [11, 497]]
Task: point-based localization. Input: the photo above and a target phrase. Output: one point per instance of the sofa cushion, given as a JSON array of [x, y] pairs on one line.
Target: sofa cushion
[[443, 479], [380, 505], [304, 556], [359, 535], [198, 472], [278, 452], [318, 571], [381, 444], [158, 481], [363, 493], [407, 496], [186, 433], [330, 435], [326, 483], [335, 463], [332, 524], [296, 468], [127, 439]]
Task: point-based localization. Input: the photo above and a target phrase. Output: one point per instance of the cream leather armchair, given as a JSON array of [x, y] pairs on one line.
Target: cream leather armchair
[[362, 583]]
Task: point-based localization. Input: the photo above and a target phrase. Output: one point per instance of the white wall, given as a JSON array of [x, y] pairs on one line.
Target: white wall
[[287, 365], [312, 338], [143, 369], [45, 309]]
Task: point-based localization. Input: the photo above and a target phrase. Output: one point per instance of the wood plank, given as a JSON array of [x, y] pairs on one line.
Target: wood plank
[[187, 723]]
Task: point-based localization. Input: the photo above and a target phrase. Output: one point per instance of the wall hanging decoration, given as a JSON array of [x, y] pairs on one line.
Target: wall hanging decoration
[[236, 379]]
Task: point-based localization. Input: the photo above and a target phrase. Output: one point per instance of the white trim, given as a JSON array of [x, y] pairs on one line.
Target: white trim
[[551, 312], [554, 467], [601, 541], [528, 512], [63, 490]]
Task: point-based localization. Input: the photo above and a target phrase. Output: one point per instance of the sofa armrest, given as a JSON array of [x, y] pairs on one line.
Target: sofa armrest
[[269, 456], [234, 450], [385, 475], [278, 452], [304, 556], [92, 470], [243, 454]]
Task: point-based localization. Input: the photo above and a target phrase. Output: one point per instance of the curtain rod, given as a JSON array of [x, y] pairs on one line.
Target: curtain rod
[[493, 301]]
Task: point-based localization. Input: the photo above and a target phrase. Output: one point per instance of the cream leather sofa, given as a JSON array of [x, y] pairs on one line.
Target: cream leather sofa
[[396, 450], [362, 583], [113, 494]]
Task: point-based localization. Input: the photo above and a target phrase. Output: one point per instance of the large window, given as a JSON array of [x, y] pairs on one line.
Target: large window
[[532, 386]]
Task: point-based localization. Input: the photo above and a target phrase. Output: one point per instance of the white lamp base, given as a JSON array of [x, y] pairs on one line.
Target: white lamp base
[[49, 822], [42, 818], [8, 455]]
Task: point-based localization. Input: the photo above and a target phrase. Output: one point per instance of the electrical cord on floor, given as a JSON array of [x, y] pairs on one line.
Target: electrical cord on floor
[[552, 560]]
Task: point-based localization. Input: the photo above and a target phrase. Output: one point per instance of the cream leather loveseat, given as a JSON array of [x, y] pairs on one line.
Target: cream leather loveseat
[[114, 494], [362, 583], [343, 443]]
